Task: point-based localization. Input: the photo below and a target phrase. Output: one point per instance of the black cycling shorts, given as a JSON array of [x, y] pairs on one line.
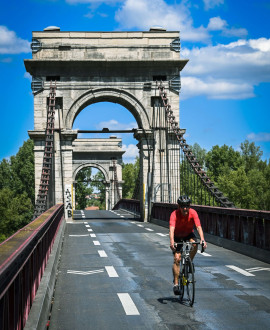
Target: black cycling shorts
[[186, 238]]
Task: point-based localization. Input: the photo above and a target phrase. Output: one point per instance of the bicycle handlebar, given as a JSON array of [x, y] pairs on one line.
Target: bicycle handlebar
[[191, 243]]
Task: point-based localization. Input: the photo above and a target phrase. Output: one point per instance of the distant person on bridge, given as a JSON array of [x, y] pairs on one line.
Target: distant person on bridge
[[182, 223]]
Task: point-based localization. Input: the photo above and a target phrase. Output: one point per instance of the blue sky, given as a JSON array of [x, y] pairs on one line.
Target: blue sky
[[225, 86]]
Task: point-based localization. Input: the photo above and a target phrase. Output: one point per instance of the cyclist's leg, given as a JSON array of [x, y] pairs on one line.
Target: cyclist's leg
[[192, 238], [176, 267]]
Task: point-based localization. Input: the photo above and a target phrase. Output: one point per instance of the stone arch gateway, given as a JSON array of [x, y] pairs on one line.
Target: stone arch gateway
[[119, 67]]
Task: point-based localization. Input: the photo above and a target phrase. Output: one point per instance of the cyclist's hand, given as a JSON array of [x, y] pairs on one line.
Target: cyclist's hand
[[203, 243], [172, 246]]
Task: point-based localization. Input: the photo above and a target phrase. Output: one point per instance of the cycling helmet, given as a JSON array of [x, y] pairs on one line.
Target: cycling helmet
[[183, 201]]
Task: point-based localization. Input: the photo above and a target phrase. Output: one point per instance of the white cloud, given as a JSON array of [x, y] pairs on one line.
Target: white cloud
[[93, 1], [131, 152], [218, 24], [215, 89], [11, 44], [115, 125], [143, 14], [27, 76], [209, 4], [231, 70], [265, 137]]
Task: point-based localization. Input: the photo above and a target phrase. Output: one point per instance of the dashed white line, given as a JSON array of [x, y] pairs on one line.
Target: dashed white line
[[93, 235], [79, 235], [86, 223], [87, 226], [239, 270], [90, 229], [96, 242], [160, 234], [204, 254], [102, 254], [149, 229], [111, 271], [140, 225], [128, 304]]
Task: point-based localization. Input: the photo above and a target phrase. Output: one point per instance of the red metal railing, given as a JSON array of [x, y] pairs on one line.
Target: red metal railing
[[249, 227], [23, 258]]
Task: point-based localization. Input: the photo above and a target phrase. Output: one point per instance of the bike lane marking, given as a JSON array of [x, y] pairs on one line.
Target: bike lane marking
[[128, 304], [240, 270]]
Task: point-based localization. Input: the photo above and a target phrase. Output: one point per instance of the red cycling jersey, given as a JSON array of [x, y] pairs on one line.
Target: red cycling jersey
[[184, 224]]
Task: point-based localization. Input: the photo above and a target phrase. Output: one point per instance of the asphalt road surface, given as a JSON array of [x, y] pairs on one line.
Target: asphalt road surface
[[115, 273]]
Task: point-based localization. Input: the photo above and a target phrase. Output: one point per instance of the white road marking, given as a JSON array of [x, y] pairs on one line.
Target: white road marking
[[149, 229], [86, 223], [90, 229], [87, 226], [111, 271], [79, 235], [160, 234], [204, 254], [93, 235], [140, 225], [96, 242], [239, 270], [90, 272], [257, 269], [102, 254], [132, 222], [128, 304], [121, 216]]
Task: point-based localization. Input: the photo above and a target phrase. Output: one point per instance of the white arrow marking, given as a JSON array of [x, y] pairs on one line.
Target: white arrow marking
[[239, 270], [90, 272]]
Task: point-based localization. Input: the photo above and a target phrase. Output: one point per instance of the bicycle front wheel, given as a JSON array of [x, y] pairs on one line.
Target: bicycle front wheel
[[190, 282]]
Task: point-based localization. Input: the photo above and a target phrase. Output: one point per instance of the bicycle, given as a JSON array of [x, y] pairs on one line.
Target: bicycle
[[187, 270]]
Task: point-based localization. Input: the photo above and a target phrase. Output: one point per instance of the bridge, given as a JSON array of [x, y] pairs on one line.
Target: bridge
[[78, 269]]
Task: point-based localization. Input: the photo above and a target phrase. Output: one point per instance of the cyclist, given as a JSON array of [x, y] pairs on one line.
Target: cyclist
[[182, 223]]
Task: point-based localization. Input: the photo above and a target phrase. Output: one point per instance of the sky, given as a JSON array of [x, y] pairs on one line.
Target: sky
[[225, 91]]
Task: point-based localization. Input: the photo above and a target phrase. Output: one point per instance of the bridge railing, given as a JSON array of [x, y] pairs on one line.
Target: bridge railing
[[249, 227], [132, 205], [23, 258]]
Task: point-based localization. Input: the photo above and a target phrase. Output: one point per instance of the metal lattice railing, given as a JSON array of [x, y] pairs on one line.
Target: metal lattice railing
[[193, 162]]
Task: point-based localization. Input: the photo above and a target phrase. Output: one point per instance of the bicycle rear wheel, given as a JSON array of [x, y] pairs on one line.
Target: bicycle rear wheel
[[190, 282]]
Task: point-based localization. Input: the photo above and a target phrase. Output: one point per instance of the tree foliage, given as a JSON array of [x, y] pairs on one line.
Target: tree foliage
[[17, 195], [130, 174]]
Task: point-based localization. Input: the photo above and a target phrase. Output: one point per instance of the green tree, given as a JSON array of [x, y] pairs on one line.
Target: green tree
[[251, 155], [15, 212], [83, 188], [22, 169], [200, 153], [222, 160], [130, 173], [236, 186], [98, 184]]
